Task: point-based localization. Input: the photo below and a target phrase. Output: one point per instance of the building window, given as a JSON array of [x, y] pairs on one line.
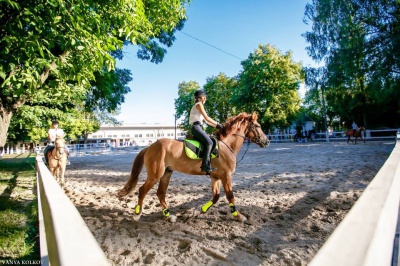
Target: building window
[[110, 136]]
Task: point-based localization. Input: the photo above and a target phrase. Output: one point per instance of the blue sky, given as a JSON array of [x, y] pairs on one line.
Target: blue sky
[[235, 26]]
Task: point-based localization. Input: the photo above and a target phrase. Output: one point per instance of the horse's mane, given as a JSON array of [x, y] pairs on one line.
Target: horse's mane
[[231, 124]]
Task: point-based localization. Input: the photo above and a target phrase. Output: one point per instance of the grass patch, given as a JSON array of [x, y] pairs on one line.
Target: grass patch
[[19, 229]]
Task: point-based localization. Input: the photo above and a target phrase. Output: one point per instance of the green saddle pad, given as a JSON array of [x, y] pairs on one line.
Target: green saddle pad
[[194, 149]]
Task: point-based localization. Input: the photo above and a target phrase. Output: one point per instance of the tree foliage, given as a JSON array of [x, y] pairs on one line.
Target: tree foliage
[[55, 49], [268, 84], [219, 90], [185, 101], [358, 42]]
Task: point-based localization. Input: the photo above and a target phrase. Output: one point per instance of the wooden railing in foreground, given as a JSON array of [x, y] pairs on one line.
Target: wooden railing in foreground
[[65, 238], [367, 233]]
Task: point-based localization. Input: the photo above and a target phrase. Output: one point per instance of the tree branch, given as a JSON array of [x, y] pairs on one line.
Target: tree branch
[[44, 76]]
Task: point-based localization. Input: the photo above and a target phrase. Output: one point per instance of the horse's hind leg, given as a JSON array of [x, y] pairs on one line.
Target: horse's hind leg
[[148, 184], [154, 172], [162, 192]]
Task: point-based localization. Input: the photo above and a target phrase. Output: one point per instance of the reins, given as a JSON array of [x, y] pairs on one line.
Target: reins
[[256, 140], [58, 155]]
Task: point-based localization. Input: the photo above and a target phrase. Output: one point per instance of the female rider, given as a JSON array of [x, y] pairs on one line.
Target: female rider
[[197, 116]]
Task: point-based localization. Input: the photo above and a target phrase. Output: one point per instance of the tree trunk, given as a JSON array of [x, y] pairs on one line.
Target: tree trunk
[[5, 118]]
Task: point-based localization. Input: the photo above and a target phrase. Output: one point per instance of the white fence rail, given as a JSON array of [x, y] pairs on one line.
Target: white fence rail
[[65, 238], [366, 236], [381, 134]]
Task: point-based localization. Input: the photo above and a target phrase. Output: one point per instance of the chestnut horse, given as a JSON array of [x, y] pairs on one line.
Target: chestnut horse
[[57, 160], [167, 155], [356, 134]]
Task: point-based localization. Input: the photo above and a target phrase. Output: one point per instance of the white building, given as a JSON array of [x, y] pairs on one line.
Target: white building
[[135, 134]]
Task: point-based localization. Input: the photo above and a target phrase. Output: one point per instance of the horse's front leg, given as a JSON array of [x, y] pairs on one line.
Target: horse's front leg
[[162, 192], [53, 172], [227, 183], [216, 189], [62, 173]]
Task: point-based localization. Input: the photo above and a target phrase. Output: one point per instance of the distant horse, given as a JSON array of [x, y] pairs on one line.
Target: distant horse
[[357, 134], [311, 135], [57, 160], [167, 155], [298, 136]]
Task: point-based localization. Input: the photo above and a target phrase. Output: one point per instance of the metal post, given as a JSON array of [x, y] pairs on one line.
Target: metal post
[[324, 110], [175, 124]]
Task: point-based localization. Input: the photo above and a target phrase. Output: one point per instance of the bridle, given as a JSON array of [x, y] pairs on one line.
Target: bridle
[[252, 128], [58, 151]]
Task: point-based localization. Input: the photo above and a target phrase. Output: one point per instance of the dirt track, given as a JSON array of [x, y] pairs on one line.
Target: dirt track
[[293, 194]]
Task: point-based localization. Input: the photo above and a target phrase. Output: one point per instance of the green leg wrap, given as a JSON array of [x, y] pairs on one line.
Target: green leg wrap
[[138, 209], [233, 209], [166, 212], [206, 206]]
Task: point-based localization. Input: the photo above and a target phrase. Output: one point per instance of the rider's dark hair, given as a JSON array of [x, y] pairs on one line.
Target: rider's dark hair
[[199, 93], [55, 122]]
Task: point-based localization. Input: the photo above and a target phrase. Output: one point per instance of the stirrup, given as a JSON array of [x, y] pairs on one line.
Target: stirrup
[[207, 169]]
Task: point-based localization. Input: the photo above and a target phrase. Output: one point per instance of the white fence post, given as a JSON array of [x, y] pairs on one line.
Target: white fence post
[[366, 234], [68, 239]]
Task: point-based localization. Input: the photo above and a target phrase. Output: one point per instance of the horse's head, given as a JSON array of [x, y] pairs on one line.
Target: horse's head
[[361, 128], [255, 133], [59, 145], [245, 126]]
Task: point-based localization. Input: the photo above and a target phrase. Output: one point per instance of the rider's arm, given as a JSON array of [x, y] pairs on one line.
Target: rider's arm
[[61, 134], [49, 135], [208, 119]]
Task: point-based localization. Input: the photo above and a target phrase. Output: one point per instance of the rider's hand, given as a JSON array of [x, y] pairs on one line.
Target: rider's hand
[[219, 126]]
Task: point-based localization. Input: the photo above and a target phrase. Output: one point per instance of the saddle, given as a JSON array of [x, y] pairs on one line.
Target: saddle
[[194, 149], [47, 155]]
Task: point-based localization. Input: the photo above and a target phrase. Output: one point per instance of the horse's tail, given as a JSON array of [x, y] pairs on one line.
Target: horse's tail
[[134, 178]]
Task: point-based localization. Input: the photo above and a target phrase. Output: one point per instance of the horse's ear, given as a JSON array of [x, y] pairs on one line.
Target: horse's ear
[[254, 116]]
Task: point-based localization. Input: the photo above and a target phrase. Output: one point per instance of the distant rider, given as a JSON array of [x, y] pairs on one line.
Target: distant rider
[[53, 133], [354, 127]]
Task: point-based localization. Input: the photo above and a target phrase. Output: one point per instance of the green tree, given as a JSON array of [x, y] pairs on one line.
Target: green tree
[[55, 47], [268, 84], [219, 90], [358, 42], [185, 101]]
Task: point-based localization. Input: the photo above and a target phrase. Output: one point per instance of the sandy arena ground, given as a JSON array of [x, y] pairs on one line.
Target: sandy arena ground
[[293, 194]]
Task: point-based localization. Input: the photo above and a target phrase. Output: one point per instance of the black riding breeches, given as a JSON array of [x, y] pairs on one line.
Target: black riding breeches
[[201, 136]]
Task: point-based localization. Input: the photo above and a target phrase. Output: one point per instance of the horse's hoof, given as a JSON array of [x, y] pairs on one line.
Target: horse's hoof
[[241, 218], [136, 217], [172, 218], [196, 212]]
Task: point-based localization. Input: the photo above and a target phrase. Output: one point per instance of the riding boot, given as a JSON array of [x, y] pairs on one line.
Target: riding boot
[[206, 164]]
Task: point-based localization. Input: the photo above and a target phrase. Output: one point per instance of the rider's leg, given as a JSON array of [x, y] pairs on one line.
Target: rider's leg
[[48, 147], [200, 135]]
